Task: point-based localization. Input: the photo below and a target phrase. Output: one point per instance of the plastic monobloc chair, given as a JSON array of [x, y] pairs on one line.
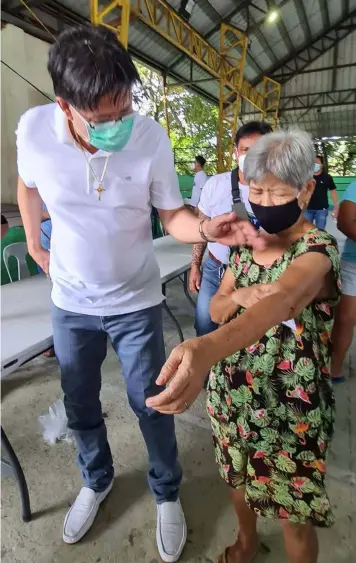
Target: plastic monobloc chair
[[19, 251]]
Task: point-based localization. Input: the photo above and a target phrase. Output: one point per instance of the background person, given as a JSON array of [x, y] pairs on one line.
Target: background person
[[318, 207], [200, 179], [270, 396], [216, 198], [99, 167], [46, 229], [345, 320]]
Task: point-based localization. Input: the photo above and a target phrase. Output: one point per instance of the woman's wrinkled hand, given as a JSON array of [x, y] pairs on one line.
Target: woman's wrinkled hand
[[185, 371], [248, 296]]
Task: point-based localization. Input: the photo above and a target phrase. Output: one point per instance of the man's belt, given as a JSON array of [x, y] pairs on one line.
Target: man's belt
[[215, 259]]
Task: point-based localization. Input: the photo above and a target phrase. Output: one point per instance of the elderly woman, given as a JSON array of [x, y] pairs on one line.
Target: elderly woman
[[270, 396]]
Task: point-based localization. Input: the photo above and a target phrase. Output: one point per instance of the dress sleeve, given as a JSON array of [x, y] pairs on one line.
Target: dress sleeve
[[324, 243]]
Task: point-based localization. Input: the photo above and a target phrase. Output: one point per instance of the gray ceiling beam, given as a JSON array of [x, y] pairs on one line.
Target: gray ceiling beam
[[318, 100], [284, 34], [264, 43], [303, 19], [31, 28], [308, 53], [324, 8], [208, 9], [345, 7], [279, 77], [15, 6], [334, 72]]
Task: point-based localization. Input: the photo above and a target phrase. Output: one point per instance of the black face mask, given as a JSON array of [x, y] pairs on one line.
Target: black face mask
[[277, 218]]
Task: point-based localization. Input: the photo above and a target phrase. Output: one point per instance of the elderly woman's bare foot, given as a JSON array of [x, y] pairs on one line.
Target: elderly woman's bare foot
[[238, 554]]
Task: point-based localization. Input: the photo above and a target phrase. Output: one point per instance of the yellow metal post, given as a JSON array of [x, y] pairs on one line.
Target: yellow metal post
[[94, 9], [121, 27], [231, 71], [165, 104], [271, 95]]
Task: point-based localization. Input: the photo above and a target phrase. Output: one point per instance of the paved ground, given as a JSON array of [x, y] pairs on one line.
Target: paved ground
[[125, 529]]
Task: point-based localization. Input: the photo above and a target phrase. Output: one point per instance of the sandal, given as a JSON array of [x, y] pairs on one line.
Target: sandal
[[337, 380], [223, 558]]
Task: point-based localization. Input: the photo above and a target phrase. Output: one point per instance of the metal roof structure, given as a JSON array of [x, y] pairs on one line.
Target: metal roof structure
[[310, 49]]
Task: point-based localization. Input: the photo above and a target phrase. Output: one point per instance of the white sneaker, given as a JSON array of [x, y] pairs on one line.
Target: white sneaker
[[171, 533], [82, 513]]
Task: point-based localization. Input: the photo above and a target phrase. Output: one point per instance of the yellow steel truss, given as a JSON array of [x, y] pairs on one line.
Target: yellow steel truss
[[121, 25], [227, 68], [231, 41]]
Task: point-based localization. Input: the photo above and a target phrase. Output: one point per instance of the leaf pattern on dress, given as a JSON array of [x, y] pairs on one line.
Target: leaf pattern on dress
[[272, 404]]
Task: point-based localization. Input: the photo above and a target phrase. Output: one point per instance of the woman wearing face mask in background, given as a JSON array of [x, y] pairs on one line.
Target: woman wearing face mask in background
[[317, 211], [270, 397]]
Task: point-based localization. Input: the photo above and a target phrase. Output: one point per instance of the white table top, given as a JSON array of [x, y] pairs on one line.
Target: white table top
[[26, 327]]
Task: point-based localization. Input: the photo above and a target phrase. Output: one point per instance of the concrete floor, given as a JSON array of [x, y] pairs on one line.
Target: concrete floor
[[124, 531]]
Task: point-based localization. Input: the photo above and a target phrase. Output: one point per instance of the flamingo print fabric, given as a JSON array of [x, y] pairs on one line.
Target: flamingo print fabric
[[272, 406]]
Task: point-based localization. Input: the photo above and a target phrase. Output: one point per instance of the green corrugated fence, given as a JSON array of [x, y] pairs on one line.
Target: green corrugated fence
[[342, 183]]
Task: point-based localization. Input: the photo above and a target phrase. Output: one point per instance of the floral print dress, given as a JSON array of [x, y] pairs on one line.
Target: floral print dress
[[272, 406]]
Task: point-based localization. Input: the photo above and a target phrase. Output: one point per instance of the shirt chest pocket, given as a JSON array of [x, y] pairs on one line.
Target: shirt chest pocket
[[127, 191]]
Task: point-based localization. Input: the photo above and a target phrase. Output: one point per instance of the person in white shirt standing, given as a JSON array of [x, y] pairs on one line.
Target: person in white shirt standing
[[200, 179], [217, 198], [99, 167]]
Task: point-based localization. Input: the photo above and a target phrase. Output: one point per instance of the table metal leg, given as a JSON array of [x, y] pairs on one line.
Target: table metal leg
[[12, 467], [185, 286], [171, 316]]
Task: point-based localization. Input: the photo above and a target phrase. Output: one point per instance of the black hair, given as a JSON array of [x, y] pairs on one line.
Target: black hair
[[87, 63], [321, 158], [4, 221], [252, 128], [201, 160]]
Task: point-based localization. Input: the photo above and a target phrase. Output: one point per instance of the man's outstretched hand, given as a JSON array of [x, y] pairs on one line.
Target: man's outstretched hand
[[229, 230]]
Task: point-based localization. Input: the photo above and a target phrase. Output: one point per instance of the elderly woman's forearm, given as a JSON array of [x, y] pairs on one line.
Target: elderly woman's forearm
[[249, 327], [222, 308]]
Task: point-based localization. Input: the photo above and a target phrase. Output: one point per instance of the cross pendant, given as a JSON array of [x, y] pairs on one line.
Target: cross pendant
[[100, 190]]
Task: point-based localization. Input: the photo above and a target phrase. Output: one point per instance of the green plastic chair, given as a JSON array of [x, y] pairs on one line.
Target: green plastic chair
[[14, 235]]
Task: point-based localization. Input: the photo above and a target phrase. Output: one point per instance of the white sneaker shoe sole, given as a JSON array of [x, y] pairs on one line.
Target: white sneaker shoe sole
[[166, 557], [90, 519]]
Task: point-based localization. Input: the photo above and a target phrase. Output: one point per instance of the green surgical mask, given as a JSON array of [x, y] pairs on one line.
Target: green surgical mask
[[109, 136]]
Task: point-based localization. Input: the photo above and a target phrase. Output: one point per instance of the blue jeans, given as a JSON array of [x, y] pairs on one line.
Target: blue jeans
[[80, 343], [212, 274], [317, 216]]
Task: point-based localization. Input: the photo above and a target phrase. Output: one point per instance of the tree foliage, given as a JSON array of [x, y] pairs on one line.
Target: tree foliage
[[193, 122], [341, 156], [194, 125]]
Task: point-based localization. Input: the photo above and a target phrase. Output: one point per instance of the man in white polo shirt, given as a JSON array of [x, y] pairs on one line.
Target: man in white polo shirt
[[200, 179], [99, 168], [217, 198]]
